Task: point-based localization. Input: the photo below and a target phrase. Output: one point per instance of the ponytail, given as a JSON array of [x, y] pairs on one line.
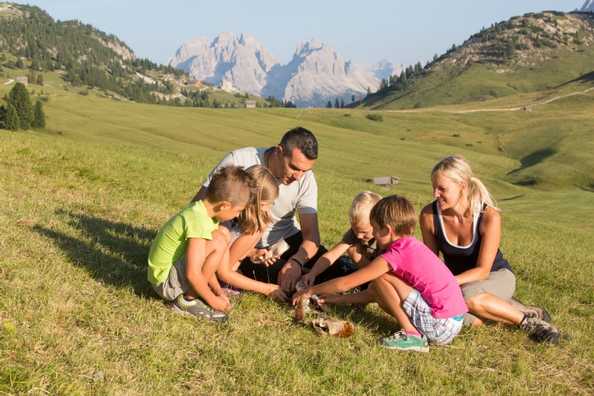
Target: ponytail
[[479, 196]]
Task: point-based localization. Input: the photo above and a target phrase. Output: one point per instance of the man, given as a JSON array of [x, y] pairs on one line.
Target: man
[[291, 162]]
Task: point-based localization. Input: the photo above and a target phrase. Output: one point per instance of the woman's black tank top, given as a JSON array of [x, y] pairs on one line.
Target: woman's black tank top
[[463, 258]]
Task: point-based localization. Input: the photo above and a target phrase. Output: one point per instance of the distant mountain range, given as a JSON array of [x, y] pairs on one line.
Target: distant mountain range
[[588, 6], [315, 74]]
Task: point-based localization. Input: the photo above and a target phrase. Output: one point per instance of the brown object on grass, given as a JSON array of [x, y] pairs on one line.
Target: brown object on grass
[[333, 327]]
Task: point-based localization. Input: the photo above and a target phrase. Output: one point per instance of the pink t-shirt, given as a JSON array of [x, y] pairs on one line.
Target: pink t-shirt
[[421, 269]]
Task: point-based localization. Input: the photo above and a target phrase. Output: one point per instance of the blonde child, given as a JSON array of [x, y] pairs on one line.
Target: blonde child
[[242, 234], [357, 242], [181, 264], [409, 281]]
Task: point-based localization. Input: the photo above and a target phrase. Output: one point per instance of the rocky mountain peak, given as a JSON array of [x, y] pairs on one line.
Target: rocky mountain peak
[[316, 73]]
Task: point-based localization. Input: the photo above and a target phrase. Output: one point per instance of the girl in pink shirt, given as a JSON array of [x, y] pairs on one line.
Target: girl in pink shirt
[[411, 283]]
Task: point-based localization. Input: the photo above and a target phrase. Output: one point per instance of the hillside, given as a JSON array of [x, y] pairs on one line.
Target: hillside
[[530, 53], [32, 42]]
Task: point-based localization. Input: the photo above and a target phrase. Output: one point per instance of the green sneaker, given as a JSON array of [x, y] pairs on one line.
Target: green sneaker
[[405, 342], [197, 308]]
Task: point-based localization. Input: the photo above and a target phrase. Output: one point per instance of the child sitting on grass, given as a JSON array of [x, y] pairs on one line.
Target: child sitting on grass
[[241, 235], [409, 281], [181, 265], [357, 242]]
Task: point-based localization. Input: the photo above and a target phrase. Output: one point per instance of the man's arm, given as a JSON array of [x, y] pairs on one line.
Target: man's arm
[[291, 271]]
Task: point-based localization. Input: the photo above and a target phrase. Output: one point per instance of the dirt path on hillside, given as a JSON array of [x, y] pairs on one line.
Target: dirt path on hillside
[[526, 107]]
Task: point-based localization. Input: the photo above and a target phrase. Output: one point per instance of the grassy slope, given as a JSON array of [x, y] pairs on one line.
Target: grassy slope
[[450, 85], [83, 201]]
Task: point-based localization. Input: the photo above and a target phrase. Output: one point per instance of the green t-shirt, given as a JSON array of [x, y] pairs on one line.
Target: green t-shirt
[[172, 240]]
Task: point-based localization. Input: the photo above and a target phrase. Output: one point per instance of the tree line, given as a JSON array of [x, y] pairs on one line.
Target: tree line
[[19, 113]]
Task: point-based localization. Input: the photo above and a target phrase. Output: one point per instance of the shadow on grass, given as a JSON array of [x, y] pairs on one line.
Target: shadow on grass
[[585, 78], [113, 253], [513, 197], [372, 319], [533, 159]]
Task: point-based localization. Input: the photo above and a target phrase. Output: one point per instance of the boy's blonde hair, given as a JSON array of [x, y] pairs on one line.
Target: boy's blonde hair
[[252, 219], [397, 212], [361, 206], [458, 170], [231, 184]]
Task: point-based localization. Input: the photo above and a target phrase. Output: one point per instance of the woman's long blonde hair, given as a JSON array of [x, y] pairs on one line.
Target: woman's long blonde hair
[[458, 170], [265, 188]]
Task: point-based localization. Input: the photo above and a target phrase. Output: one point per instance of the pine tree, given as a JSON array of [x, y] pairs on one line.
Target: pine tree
[[38, 116], [39, 79], [341, 103], [336, 104], [12, 118], [19, 98], [329, 104]]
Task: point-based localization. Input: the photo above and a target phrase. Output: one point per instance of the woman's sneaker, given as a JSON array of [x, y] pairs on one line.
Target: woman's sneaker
[[532, 311], [405, 342], [197, 308], [539, 330]]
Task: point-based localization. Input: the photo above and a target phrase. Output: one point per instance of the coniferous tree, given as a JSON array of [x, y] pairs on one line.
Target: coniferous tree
[[38, 116], [2, 117], [39, 79], [341, 103], [336, 104], [12, 118], [19, 98], [329, 104]]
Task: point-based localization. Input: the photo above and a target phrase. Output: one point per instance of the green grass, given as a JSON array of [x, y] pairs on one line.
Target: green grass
[[82, 201]]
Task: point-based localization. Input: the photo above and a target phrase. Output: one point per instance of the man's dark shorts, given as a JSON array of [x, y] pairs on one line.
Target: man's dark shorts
[[270, 274]]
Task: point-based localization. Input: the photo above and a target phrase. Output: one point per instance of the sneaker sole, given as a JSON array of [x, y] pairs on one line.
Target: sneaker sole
[[177, 310], [413, 349]]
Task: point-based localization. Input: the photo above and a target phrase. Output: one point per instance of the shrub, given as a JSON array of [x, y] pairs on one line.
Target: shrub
[[375, 117]]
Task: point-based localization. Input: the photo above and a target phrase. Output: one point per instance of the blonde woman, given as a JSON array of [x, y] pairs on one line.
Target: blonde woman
[[464, 225]]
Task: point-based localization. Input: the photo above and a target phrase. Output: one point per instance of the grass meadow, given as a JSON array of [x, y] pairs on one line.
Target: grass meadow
[[82, 201]]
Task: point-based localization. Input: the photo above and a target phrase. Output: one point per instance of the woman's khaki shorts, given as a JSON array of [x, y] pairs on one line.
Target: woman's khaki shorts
[[500, 283]]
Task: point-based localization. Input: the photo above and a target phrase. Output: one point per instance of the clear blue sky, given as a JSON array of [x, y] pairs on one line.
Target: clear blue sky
[[364, 31]]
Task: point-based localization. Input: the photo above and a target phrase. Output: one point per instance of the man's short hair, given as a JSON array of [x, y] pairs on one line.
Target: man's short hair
[[302, 139], [232, 184]]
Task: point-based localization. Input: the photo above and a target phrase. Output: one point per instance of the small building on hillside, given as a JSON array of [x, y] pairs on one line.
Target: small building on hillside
[[384, 181], [250, 104], [23, 80]]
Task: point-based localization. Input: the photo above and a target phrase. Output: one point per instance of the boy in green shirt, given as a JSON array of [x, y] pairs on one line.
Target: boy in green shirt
[[181, 265]]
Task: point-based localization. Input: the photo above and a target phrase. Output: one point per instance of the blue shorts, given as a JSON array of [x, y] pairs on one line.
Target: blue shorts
[[438, 331]]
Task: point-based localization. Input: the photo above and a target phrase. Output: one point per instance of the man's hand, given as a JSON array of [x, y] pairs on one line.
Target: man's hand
[[289, 275], [263, 256]]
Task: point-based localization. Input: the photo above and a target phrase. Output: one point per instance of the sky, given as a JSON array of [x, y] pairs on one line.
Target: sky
[[403, 32]]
